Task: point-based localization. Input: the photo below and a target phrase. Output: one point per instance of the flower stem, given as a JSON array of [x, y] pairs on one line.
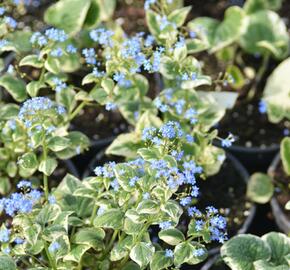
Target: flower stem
[[93, 214], [45, 179], [50, 259]]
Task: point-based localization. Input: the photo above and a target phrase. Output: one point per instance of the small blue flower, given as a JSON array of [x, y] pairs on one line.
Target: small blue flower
[[186, 201], [198, 252], [228, 141], [71, 49], [51, 199], [24, 184], [54, 247], [4, 235], [2, 11], [90, 56], [56, 52], [169, 253], [10, 22], [56, 35], [262, 107], [165, 225], [110, 106]]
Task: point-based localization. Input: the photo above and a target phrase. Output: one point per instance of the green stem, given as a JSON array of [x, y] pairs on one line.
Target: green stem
[[93, 214], [45, 179], [50, 259], [77, 110], [253, 92], [110, 245], [42, 74]]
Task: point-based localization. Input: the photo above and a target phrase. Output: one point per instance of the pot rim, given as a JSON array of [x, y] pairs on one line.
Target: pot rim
[[280, 218], [252, 150]]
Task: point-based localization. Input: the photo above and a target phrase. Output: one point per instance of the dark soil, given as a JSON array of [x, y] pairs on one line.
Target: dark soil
[[282, 190], [98, 123], [226, 191], [250, 127]]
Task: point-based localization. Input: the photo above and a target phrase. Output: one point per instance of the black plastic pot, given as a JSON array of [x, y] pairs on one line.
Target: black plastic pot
[[71, 168], [281, 219], [214, 253], [253, 158]]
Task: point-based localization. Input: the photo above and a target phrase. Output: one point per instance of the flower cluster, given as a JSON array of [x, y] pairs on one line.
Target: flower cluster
[[21, 202]]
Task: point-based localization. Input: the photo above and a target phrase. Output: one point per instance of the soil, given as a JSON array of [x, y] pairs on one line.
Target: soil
[[98, 123], [282, 190], [226, 191], [250, 127]]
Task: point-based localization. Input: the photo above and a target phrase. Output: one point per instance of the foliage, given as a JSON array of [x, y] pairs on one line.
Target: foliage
[[249, 252]]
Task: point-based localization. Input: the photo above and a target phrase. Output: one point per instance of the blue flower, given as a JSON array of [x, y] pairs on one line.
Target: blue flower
[[186, 201], [149, 41], [56, 35], [169, 253], [198, 252], [102, 36], [71, 49], [90, 56], [2, 11], [56, 52], [165, 225], [228, 141], [24, 184], [54, 247], [10, 22], [110, 106], [262, 107], [18, 241], [51, 199], [4, 235], [148, 3], [194, 212]]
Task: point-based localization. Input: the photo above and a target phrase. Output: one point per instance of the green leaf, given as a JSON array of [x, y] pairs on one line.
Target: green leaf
[[31, 60], [124, 145], [260, 188], [15, 87], [99, 95], [263, 265], [5, 185], [48, 166], [107, 9], [230, 29], [160, 261], [33, 87], [237, 75], [92, 237], [148, 154], [205, 29], [76, 253], [148, 207], [242, 251], [277, 93], [112, 218], [171, 236], [7, 263], [265, 33], [280, 246], [183, 252], [28, 161], [8, 111], [178, 16], [48, 214], [252, 6], [58, 143], [52, 65], [152, 22], [147, 119], [94, 14], [68, 15], [121, 248], [142, 253]]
